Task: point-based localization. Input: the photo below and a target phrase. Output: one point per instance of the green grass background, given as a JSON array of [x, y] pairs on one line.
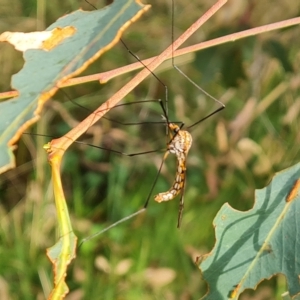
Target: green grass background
[[233, 153]]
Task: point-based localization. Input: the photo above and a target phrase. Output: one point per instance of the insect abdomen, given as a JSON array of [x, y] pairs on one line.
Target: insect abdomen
[[177, 185]]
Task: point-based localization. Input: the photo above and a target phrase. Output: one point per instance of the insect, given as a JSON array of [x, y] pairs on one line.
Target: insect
[[179, 144]]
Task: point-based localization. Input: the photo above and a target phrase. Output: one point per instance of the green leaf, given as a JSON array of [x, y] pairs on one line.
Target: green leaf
[[257, 244], [44, 71]]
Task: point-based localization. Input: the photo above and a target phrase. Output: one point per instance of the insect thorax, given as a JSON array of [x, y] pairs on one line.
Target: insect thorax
[[181, 143]]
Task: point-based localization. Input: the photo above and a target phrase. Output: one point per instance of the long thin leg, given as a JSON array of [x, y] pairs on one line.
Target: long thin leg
[[119, 105], [153, 74], [222, 106], [131, 215], [145, 66], [181, 205], [99, 147], [164, 121]]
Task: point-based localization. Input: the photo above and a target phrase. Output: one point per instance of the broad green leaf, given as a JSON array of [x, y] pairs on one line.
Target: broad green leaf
[[44, 71], [257, 244]]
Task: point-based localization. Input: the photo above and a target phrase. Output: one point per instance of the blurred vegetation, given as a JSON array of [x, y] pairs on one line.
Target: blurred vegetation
[[233, 153]]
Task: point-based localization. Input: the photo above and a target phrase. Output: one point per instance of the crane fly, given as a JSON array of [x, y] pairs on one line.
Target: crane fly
[[179, 144]]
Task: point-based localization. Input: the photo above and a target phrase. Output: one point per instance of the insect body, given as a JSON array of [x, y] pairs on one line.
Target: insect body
[[179, 145]]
